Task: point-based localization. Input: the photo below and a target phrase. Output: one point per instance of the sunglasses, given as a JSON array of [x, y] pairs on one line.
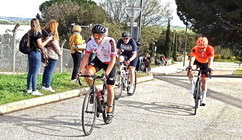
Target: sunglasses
[[125, 38], [97, 36]]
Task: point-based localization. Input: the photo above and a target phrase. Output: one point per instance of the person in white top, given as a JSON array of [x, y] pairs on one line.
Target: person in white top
[[105, 50]]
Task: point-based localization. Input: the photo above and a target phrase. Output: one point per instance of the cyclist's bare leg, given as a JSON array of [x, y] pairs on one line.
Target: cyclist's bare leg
[[190, 76], [132, 75], [110, 89], [89, 80], [204, 90]]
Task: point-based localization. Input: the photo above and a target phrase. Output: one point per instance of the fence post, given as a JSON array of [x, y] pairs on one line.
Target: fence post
[[61, 58], [13, 42]]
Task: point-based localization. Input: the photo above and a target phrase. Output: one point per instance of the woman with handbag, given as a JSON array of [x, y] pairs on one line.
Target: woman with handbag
[[34, 57], [53, 52], [77, 47]]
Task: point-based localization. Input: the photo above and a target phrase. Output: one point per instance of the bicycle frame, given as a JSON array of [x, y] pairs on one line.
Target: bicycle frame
[[197, 89]]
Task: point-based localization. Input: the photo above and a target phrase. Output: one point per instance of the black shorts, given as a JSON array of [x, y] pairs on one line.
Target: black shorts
[[98, 65], [132, 63], [203, 66]]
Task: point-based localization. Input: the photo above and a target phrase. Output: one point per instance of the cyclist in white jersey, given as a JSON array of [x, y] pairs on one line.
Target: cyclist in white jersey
[[105, 50]]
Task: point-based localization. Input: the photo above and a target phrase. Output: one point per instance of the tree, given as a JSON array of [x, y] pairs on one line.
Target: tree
[[219, 20], [174, 50], [153, 13], [66, 12], [168, 43]]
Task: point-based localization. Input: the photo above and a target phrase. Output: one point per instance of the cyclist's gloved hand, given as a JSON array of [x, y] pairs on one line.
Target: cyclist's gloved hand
[[105, 76], [210, 70], [127, 62]]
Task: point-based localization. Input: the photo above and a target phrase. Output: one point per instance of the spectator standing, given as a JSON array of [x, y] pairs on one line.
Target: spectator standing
[[34, 57], [53, 53], [77, 47]]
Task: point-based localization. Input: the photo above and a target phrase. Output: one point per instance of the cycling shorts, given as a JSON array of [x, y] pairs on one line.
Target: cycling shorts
[[132, 63], [98, 65], [203, 66]]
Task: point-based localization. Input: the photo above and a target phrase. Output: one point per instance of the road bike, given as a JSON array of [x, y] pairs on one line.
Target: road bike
[[94, 105], [198, 88], [122, 81]]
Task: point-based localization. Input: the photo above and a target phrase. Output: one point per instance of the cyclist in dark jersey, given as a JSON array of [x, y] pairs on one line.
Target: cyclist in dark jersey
[[128, 47]]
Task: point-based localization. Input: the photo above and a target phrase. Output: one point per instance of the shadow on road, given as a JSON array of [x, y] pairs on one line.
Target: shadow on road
[[160, 107], [57, 126], [211, 93]]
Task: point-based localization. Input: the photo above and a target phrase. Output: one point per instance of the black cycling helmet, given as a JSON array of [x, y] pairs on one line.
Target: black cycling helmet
[[98, 29], [126, 34]]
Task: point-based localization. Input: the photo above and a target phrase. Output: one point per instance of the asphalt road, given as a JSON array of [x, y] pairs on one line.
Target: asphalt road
[[160, 109]]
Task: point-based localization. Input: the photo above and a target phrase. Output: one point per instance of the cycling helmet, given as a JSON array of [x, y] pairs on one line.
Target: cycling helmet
[[202, 42], [98, 29], [126, 34]]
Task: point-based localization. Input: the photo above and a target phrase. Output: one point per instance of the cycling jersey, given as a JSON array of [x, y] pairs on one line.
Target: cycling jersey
[[127, 48], [202, 57], [105, 51]]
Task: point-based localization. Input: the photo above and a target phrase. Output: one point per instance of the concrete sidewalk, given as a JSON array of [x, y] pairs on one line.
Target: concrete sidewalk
[[20, 105]]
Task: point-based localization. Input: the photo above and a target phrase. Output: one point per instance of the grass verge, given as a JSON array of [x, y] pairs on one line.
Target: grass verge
[[238, 72], [14, 87]]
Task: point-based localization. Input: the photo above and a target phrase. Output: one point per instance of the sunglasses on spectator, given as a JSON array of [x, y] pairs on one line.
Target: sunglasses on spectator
[[97, 36]]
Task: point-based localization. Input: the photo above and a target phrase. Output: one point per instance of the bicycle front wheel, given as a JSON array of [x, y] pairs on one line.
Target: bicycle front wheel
[[130, 93], [118, 88], [196, 96], [89, 111]]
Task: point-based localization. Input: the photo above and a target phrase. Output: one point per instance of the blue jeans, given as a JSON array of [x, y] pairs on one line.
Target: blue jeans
[[34, 64], [48, 72]]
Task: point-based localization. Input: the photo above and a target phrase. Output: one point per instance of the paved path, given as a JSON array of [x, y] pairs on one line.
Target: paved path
[[160, 109]]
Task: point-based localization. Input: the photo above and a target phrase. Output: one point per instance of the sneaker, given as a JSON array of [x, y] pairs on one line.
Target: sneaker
[[29, 91], [49, 89], [37, 93], [131, 89], [43, 88], [109, 117]]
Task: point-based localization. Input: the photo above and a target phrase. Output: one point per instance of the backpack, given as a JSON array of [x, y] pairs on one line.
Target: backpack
[[24, 46]]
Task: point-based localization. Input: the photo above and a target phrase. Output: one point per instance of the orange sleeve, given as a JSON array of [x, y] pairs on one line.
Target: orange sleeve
[[211, 51], [193, 51]]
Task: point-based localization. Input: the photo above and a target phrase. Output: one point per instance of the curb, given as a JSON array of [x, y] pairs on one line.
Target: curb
[[24, 104]]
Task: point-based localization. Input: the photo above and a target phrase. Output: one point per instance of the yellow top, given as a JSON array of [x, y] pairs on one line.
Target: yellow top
[[75, 39]]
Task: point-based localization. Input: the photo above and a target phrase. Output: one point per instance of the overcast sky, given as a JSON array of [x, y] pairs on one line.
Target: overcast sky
[[29, 9]]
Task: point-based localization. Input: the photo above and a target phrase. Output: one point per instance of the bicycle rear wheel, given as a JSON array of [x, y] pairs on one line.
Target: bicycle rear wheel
[[118, 88], [196, 96], [135, 83], [89, 111]]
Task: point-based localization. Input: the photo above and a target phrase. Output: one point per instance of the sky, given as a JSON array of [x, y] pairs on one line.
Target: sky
[[29, 9]]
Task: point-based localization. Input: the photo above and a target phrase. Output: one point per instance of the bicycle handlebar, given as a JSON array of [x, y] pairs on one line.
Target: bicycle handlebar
[[91, 76], [209, 74]]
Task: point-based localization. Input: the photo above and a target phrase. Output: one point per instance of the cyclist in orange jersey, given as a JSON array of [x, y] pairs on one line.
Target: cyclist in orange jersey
[[202, 56]]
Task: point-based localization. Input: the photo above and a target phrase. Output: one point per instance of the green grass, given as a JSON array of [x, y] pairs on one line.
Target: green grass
[[142, 74], [227, 60], [238, 72], [14, 87]]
